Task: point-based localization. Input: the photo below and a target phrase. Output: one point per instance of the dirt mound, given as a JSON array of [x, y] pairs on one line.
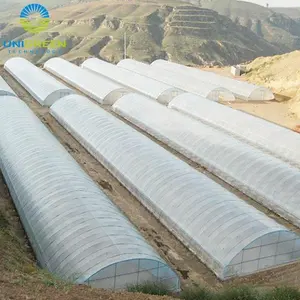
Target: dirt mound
[[295, 105], [281, 73]]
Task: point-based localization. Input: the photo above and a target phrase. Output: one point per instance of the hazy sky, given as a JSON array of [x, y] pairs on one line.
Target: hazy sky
[[277, 3]]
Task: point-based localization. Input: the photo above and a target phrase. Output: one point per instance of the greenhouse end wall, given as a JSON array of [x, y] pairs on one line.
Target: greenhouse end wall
[[133, 272], [213, 223], [76, 232]]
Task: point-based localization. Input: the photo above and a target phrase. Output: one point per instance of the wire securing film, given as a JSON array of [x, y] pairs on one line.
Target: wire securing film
[[206, 90], [100, 89], [43, 87], [155, 89], [269, 137], [241, 89], [227, 234], [5, 89], [266, 179], [74, 229]]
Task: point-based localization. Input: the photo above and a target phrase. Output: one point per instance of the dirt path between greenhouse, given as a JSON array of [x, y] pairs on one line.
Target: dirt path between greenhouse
[[188, 266]]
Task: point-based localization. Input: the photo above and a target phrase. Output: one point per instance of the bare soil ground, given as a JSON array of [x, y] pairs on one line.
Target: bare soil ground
[[278, 111], [15, 284], [273, 111]]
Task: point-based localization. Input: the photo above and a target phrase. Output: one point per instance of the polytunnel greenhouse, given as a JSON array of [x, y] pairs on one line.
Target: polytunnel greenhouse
[[269, 137], [75, 231], [42, 86], [242, 90], [206, 90], [155, 89], [101, 89], [236, 162], [228, 235], [5, 89]]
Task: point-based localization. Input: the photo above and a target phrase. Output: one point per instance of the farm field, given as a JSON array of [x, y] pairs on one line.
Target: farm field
[[189, 268], [143, 182]]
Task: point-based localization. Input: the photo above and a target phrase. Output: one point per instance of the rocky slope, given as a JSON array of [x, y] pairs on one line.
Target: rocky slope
[[158, 29], [281, 27]]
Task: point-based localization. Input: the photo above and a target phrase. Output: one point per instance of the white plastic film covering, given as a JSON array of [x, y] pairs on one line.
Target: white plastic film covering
[[101, 89], [155, 89], [242, 90], [261, 176], [42, 86], [210, 91], [269, 137], [74, 229], [227, 234], [5, 89]]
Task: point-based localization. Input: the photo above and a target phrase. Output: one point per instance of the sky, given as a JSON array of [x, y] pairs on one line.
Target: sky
[[277, 3]]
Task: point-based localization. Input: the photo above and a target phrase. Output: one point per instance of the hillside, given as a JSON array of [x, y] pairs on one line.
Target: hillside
[[282, 74], [158, 29], [292, 12], [282, 30]]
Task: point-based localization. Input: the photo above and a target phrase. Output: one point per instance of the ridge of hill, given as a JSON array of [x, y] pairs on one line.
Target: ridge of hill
[[292, 12]]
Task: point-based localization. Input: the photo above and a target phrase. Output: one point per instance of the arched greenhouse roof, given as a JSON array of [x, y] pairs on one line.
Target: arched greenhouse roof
[[242, 90], [206, 90], [266, 179], [42, 86], [5, 89], [269, 137], [74, 229], [231, 237], [150, 87], [99, 88]]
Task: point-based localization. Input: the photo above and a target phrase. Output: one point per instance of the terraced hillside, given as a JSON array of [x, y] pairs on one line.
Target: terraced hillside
[[170, 29], [281, 27]]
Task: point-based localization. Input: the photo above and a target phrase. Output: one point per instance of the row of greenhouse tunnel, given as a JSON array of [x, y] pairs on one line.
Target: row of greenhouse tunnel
[[76, 230]]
